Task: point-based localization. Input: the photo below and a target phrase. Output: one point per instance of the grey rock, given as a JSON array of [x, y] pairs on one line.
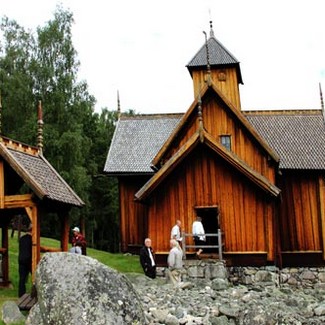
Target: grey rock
[[76, 289], [222, 320], [171, 320], [321, 277], [308, 275], [195, 272], [256, 296], [219, 284], [160, 314], [263, 276], [217, 271], [229, 311], [180, 312], [320, 310], [11, 313], [37, 317]]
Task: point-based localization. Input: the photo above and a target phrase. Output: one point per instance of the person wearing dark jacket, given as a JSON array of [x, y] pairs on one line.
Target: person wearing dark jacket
[[147, 259], [24, 260]]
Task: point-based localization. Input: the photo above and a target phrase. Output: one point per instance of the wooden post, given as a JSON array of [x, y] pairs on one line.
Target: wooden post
[[32, 213], [2, 186], [220, 244], [5, 255], [64, 232], [184, 244]]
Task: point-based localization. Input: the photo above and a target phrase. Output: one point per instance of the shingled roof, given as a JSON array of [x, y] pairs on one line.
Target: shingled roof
[[136, 141], [38, 173], [297, 136], [219, 56]]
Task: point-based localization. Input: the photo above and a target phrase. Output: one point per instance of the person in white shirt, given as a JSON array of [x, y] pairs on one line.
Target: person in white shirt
[[198, 234], [176, 232]]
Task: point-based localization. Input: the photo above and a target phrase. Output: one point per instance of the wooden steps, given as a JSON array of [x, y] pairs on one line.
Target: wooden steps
[[26, 302]]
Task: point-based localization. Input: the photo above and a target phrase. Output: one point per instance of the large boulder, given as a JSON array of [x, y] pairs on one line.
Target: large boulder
[[77, 289]]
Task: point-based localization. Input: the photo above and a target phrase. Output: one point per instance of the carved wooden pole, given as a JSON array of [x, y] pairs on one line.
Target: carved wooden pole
[[40, 128]]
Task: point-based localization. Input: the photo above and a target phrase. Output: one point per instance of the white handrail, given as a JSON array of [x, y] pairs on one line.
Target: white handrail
[[219, 246]]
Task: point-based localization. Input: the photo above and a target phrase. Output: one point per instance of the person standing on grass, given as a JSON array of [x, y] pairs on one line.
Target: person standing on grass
[[147, 259], [79, 240], [24, 260]]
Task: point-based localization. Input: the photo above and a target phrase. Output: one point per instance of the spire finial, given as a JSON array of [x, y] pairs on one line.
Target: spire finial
[[40, 127], [118, 105], [321, 101], [321, 97], [211, 29], [208, 59]]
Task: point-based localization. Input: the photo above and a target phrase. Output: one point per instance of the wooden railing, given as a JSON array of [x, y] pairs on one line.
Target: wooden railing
[[218, 247]]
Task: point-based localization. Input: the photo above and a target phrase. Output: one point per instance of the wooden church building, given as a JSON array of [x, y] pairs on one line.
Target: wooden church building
[[31, 187], [258, 176]]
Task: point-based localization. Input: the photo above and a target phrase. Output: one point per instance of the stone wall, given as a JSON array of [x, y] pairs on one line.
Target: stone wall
[[300, 277]]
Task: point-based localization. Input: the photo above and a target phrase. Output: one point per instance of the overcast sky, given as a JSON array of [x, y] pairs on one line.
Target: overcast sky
[[141, 48]]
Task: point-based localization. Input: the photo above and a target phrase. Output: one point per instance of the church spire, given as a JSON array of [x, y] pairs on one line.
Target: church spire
[[214, 64]]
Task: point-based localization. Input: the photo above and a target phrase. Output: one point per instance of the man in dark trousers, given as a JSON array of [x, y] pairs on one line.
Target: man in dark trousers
[[147, 259], [25, 260]]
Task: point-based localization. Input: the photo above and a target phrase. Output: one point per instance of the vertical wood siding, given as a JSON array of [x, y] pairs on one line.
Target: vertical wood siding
[[133, 215], [218, 120], [321, 182], [229, 87], [300, 220], [246, 213]]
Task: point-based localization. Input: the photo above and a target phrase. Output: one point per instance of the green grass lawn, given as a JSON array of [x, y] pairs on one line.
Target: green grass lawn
[[120, 262]]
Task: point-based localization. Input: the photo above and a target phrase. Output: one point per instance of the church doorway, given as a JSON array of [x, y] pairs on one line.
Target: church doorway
[[210, 221]]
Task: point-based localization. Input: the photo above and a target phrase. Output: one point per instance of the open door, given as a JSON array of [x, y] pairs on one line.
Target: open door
[[210, 221]]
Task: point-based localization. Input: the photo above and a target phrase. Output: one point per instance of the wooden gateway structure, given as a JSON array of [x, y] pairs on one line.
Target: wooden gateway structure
[[30, 186], [256, 175]]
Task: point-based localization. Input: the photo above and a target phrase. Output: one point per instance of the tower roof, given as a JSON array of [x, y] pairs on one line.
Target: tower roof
[[219, 56]]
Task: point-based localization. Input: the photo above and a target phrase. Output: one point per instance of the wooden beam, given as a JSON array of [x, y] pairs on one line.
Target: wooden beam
[[47, 249], [18, 201], [32, 213], [2, 186]]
